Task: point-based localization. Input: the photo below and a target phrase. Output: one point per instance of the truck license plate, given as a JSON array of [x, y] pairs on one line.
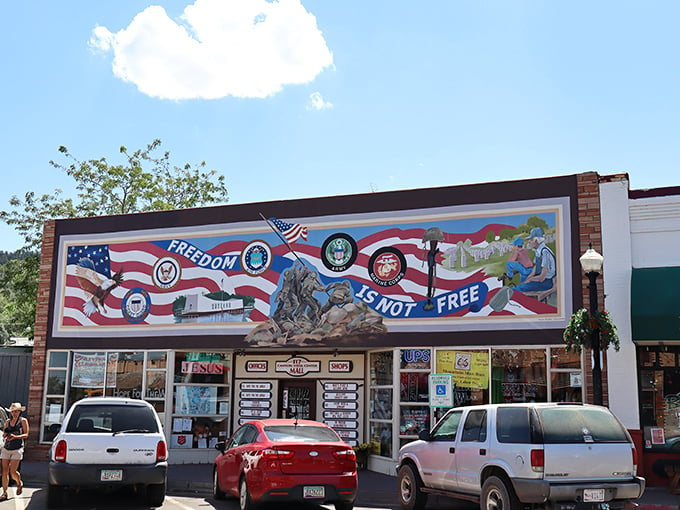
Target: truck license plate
[[313, 492], [111, 475], [593, 495]]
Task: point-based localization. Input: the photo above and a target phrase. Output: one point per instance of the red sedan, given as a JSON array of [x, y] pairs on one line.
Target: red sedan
[[286, 460]]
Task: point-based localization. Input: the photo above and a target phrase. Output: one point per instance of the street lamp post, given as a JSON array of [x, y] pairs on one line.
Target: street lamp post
[[591, 262]]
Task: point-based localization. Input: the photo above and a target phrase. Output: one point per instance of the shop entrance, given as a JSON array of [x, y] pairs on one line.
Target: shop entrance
[[298, 396]]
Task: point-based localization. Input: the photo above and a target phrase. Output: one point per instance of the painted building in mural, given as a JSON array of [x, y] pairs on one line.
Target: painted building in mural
[[337, 308]]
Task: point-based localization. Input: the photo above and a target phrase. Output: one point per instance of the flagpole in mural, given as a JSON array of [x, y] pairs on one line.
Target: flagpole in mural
[[292, 232]]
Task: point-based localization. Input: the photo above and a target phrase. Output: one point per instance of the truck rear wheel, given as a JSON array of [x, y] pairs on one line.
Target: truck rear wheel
[[498, 494]]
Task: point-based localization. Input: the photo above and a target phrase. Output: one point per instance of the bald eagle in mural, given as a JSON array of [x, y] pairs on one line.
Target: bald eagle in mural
[[96, 286]]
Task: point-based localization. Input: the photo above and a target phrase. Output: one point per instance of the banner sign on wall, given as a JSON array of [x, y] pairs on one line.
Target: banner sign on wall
[[364, 274], [89, 370]]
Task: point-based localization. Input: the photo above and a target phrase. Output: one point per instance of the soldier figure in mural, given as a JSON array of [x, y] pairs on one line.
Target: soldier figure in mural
[[300, 319], [309, 305], [287, 298], [433, 235], [339, 293]]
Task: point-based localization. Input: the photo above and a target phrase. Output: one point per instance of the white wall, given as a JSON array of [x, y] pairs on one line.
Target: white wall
[[617, 270], [655, 231]]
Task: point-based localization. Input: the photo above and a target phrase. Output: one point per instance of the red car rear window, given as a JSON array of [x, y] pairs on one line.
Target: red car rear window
[[301, 433]]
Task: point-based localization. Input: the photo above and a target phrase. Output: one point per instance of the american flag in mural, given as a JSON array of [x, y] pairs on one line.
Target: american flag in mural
[[291, 231], [163, 281]]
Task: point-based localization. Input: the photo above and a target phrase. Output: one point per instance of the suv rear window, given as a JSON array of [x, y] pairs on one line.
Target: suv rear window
[[580, 425], [112, 418]]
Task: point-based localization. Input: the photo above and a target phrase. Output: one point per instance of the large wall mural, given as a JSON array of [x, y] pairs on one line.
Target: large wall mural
[[279, 281]]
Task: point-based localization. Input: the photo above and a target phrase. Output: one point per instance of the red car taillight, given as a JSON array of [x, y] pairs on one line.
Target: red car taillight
[[161, 451], [60, 451], [274, 454], [635, 461], [537, 460], [345, 454]]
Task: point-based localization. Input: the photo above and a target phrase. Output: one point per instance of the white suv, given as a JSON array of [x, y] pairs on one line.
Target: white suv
[[507, 456], [109, 442]]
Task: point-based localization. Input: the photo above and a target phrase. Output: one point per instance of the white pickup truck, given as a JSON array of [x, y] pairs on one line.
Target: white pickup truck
[[553, 456]]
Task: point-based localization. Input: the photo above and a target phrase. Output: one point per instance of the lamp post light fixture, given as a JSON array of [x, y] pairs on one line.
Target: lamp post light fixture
[[591, 263]]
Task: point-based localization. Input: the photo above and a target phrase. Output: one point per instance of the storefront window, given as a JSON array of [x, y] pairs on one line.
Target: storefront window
[[381, 400], [660, 397], [566, 379], [518, 375], [72, 376], [414, 411], [55, 391], [381, 368], [381, 433], [124, 373], [470, 370], [200, 413]]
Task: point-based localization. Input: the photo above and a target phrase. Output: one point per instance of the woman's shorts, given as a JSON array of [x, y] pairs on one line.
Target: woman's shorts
[[12, 454]]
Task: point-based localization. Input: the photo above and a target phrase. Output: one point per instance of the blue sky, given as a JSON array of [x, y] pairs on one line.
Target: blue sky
[[302, 98]]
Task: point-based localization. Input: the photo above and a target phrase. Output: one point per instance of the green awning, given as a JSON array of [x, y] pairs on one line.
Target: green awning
[[655, 303]]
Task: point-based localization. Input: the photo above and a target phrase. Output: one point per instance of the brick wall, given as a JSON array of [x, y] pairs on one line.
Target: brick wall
[[590, 231], [35, 451]]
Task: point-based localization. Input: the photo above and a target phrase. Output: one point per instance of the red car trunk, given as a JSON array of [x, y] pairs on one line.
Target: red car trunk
[[308, 459]]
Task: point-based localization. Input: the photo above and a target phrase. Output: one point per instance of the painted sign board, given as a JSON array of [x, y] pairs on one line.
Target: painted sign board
[[444, 268]]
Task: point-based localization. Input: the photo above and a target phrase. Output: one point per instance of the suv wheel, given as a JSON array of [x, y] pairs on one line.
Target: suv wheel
[[155, 494], [410, 495], [497, 495]]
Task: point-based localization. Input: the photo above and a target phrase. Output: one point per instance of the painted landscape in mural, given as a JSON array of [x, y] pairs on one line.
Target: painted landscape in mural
[[303, 284]]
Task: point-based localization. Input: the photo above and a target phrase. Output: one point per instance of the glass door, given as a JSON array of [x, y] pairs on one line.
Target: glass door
[[298, 399]]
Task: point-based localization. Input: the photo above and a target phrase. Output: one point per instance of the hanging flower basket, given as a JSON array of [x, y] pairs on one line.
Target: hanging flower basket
[[578, 333]]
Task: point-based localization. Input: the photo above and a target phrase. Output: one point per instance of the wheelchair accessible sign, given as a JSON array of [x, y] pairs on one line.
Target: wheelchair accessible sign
[[441, 390]]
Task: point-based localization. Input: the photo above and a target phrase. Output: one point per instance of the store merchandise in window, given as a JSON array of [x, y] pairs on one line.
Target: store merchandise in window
[[566, 378], [518, 375], [201, 406], [660, 397], [414, 411], [470, 371]]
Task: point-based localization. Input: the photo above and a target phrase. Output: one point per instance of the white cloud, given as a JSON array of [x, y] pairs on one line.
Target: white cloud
[[316, 102], [241, 48]]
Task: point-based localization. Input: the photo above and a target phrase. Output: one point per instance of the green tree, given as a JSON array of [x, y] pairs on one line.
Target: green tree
[[145, 181], [536, 221]]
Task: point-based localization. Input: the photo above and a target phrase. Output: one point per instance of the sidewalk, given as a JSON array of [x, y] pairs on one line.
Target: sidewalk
[[375, 489]]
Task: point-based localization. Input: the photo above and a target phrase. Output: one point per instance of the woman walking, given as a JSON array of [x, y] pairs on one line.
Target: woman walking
[[16, 430]]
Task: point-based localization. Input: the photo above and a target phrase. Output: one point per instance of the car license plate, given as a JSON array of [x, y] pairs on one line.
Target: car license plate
[[593, 495], [111, 475], [313, 492]]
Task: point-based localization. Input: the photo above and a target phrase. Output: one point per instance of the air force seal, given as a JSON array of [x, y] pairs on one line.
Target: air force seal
[[256, 258]]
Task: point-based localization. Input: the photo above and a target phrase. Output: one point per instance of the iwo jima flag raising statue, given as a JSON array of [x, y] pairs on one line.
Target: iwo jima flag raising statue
[[299, 318]]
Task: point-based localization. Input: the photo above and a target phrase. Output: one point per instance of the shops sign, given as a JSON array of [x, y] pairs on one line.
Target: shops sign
[[298, 366]]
